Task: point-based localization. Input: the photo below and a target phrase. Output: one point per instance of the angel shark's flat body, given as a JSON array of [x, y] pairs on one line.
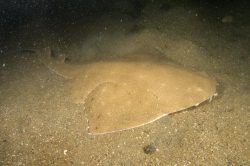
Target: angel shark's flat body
[[120, 95]]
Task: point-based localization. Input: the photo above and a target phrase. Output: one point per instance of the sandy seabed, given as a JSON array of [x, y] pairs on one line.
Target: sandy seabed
[[40, 126]]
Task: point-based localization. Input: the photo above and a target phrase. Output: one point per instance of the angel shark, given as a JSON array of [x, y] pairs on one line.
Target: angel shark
[[124, 94]]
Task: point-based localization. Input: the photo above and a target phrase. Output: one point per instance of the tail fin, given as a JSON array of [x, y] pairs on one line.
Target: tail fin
[[56, 64], [45, 56]]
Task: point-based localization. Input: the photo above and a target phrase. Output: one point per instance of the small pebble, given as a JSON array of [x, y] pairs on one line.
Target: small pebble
[[149, 149]]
